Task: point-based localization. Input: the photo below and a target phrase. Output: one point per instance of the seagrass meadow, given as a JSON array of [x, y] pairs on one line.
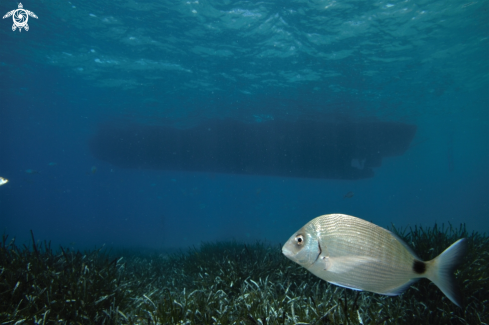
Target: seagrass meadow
[[224, 283]]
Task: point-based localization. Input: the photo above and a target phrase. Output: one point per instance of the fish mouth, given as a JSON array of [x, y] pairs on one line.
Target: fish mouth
[[287, 252], [284, 251]]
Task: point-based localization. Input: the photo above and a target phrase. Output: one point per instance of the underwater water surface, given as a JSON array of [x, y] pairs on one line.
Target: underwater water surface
[[142, 125]]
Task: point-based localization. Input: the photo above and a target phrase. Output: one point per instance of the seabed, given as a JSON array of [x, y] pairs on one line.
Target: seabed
[[225, 283]]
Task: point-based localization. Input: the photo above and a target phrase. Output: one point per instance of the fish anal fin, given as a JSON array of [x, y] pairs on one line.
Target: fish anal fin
[[398, 290], [346, 286]]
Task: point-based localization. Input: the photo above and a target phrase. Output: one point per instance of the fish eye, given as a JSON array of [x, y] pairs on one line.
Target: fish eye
[[299, 240]]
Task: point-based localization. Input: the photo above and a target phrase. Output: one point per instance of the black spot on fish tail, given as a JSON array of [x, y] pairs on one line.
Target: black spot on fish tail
[[419, 267]]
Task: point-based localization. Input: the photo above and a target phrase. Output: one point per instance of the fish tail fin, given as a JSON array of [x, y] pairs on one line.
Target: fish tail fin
[[442, 267]]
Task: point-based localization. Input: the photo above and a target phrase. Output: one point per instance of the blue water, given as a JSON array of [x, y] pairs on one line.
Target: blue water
[[85, 63]]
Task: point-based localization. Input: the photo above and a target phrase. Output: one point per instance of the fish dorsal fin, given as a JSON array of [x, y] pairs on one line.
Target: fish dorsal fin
[[410, 250]]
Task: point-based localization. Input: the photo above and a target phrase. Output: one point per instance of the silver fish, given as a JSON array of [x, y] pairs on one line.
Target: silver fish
[[3, 181], [356, 254]]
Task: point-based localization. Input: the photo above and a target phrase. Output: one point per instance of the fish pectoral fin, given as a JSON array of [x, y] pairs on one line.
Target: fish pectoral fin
[[344, 264]]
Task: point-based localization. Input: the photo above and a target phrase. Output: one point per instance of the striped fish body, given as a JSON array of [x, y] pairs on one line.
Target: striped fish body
[[356, 254]]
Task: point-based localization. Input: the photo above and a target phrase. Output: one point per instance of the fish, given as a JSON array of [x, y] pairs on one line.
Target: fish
[[356, 254], [3, 181], [31, 171], [349, 195], [93, 170]]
